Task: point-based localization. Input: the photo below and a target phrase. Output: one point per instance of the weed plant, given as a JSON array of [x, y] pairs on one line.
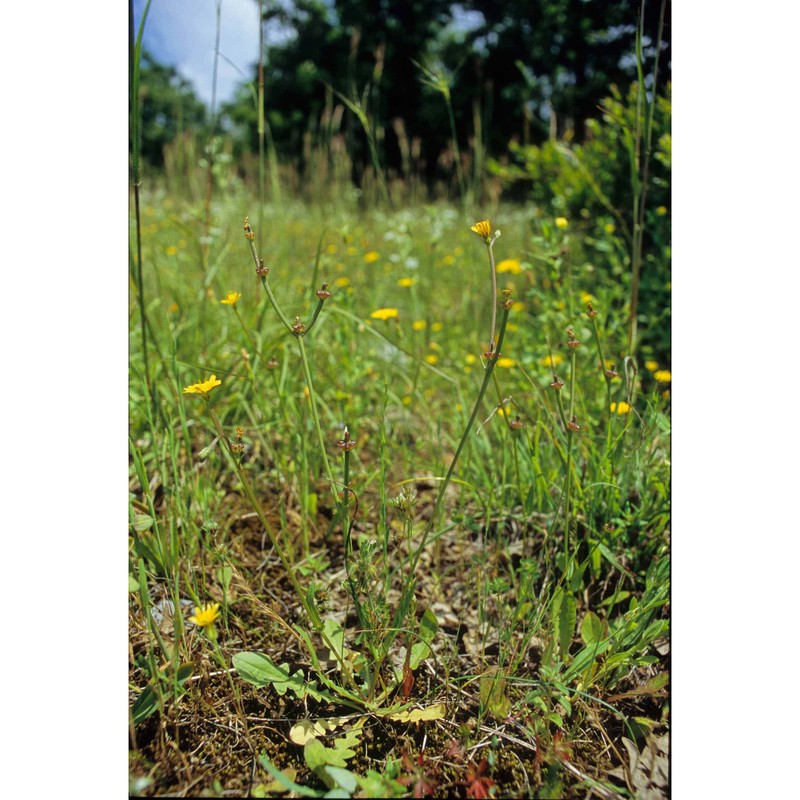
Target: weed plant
[[399, 490], [393, 505]]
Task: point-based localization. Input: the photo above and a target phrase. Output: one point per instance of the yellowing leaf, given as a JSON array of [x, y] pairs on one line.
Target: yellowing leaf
[[308, 729], [436, 711]]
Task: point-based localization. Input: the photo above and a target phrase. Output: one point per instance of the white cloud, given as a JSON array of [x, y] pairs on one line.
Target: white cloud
[[182, 33]]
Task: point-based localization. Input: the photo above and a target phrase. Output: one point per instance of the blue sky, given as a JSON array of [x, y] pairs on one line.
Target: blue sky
[[181, 33]]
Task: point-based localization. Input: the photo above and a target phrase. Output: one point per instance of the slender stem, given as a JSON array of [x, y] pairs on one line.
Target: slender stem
[[246, 331], [494, 295], [490, 365], [211, 134], [260, 114], [570, 436], [135, 71]]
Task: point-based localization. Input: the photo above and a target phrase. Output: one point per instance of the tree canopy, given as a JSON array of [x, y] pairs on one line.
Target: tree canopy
[[511, 70]]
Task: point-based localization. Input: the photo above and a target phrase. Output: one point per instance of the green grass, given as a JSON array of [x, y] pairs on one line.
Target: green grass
[[538, 652]]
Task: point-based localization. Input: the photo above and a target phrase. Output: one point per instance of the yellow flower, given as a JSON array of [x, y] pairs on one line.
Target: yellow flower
[[351, 251], [206, 616], [470, 358], [448, 261], [431, 358], [552, 363], [371, 257], [342, 282], [202, 388], [385, 313], [419, 324], [511, 265], [663, 376], [661, 211], [331, 248], [620, 408], [436, 327], [406, 282], [173, 307], [651, 365], [586, 298], [517, 307], [483, 229], [609, 227], [231, 299], [505, 362], [171, 250], [561, 222]]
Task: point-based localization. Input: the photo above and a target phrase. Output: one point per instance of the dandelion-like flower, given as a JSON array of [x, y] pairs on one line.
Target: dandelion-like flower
[[385, 313], [620, 408], [552, 361], [202, 388], [371, 257], [561, 223], [483, 229], [663, 375], [511, 265], [231, 299], [206, 616]]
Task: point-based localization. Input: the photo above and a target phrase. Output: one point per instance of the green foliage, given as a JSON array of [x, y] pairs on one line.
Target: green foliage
[[593, 185], [170, 110], [592, 605]]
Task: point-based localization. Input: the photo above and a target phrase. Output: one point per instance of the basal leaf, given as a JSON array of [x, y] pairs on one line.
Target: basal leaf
[[343, 778], [592, 628], [436, 711]]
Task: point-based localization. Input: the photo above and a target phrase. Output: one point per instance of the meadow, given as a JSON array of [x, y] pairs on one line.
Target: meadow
[[399, 478], [372, 554]]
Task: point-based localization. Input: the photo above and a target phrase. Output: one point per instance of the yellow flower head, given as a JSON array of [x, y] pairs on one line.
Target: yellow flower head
[[341, 282], [663, 376], [511, 265], [371, 257], [406, 282], [561, 222], [483, 229], [651, 365], [431, 358], [204, 617], [620, 408], [419, 324], [171, 250], [505, 362], [202, 388], [231, 299], [385, 313], [553, 362]]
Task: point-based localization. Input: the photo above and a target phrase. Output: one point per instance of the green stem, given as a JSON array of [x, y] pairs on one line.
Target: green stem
[[490, 365], [246, 331], [494, 296]]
